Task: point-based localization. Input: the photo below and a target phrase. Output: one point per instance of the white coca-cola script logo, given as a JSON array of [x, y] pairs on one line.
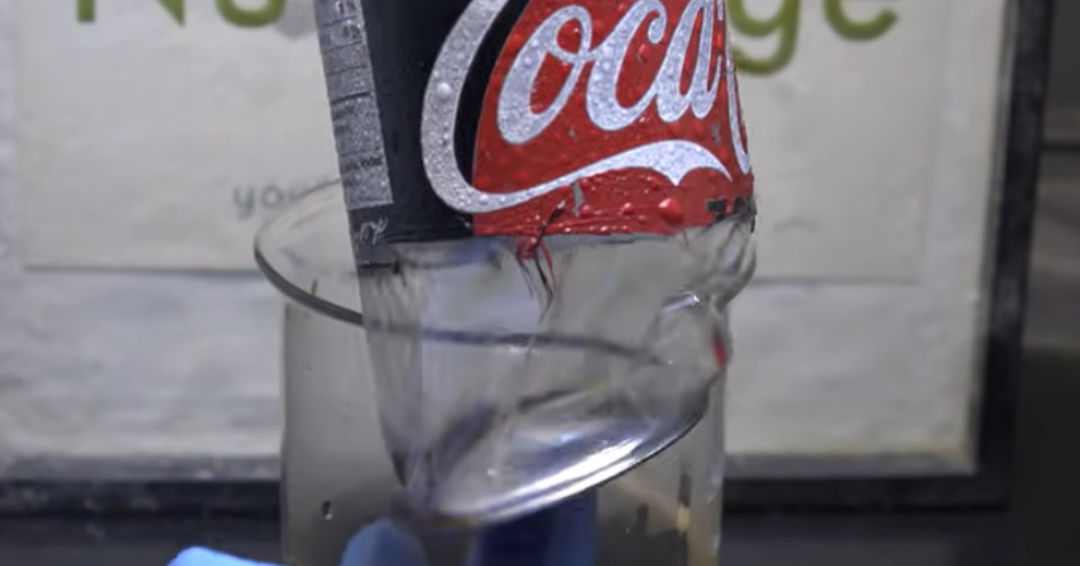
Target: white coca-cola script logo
[[519, 122]]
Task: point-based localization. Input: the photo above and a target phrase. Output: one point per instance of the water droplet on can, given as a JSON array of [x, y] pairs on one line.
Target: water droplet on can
[[444, 90], [671, 210]]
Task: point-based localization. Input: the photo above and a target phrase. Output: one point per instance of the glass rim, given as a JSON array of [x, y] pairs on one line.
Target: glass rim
[[296, 212], [282, 282]]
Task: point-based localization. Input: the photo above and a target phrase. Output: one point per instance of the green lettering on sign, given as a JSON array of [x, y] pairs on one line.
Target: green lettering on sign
[[784, 23], [857, 31], [242, 17], [87, 9], [251, 17]]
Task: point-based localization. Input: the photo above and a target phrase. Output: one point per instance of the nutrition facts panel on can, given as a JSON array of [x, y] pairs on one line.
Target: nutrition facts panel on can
[[353, 103]]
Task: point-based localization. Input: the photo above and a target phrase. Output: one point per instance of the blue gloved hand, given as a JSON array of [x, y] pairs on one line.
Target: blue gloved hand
[[379, 544], [561, 536]]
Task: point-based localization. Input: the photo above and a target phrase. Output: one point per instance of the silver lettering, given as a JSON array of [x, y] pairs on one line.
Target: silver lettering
[[703, 94], [734, 110], [517, 121], [601, 98], [671, 102], [673, 159]]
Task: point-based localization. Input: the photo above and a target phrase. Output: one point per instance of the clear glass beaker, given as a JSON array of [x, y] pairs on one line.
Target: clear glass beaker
[[337, 474]]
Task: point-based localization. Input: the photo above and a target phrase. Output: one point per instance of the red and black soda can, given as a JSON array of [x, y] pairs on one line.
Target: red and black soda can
[[529, 118]]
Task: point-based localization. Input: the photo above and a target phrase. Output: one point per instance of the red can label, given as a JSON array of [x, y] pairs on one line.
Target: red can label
[[601, 117]]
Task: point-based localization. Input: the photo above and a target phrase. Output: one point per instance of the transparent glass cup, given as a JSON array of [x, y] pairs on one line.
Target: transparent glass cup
[[339, 474]]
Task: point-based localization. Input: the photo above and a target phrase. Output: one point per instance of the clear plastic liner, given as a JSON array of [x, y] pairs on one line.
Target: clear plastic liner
[[510, 378]]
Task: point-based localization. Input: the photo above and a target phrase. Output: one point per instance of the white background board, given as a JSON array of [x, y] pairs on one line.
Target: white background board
[[135, 127], [135, 130], [131, 135]]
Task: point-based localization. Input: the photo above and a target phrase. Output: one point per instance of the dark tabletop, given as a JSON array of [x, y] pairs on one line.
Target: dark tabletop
[[878, 540]]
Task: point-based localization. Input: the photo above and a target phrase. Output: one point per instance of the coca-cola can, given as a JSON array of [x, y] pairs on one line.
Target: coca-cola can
[[473, 133], [527, 118]]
